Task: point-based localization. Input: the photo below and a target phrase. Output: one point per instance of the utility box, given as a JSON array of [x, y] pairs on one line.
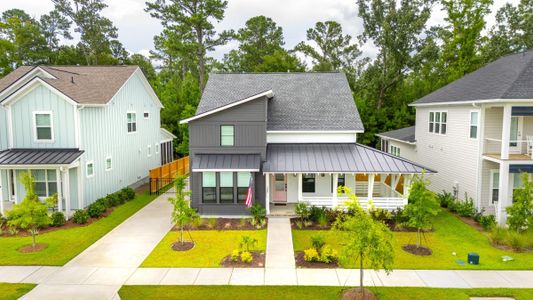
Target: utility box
[[473, 258]]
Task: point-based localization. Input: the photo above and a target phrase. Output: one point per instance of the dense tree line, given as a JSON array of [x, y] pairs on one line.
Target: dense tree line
[[412, 58]]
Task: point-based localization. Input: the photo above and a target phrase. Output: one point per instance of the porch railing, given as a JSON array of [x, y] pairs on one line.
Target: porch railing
[[387, 203]]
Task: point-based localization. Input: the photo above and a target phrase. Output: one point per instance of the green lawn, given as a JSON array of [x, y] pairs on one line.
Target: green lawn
[[211, 247], [451, 235], [63, 245], [307, 292], [12, 291]]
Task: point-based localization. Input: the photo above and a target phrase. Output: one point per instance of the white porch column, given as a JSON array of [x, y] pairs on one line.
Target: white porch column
[[16, 195], [1, 194], [267, 193], [506, 131], [66, 191], [300, 192], [59, 192], [394, 182], [407, 179], [503, 193], [370, 191], [334, 188]]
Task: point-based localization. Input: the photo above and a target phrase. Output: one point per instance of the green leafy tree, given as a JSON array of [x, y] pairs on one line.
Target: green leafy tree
[[30, 214], [365, 240], [280, 61], [182, 214], [146, 66], [54, 26], [521, 211], [98, 35], [423, 206], [192, 21], [333, 51]]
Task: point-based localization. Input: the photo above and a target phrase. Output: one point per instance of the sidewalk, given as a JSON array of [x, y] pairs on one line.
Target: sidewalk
[[256, 276], [100, 270]]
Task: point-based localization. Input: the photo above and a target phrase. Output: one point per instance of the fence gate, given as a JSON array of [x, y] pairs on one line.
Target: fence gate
[[165, 175]]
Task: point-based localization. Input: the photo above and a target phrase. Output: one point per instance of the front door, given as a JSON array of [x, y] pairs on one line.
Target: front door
[[515, 144], [280, 188]]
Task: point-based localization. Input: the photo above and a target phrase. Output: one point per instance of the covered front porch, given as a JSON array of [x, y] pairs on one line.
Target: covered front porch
[[311, 173]]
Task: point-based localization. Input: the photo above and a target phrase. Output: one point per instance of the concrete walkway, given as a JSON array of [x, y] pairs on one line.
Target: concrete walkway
[[279, 250], [100, 270], [112, 278]]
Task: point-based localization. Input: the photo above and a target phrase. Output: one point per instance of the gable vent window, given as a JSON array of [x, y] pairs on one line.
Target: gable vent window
[[132, 122], [438, 122], [227, 135], [43, 126], [108, 163], [146, 115], [395, 150]]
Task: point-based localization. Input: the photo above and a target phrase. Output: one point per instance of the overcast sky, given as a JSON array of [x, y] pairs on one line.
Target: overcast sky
[[136, 28]]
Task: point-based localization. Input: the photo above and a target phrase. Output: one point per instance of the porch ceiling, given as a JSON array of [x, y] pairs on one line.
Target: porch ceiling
[[335, 158], [15, 157]]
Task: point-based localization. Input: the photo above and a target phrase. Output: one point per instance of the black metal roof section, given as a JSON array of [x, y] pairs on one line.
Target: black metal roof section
[[342, 158], [302, 101], [216, 162], [510, 77], [406, 134], [14, 157]]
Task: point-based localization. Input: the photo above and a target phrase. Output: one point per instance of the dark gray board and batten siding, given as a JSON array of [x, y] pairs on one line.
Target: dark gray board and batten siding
[[250, 121]]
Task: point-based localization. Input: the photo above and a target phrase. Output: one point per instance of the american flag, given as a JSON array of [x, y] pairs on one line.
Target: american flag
[[250, 192]]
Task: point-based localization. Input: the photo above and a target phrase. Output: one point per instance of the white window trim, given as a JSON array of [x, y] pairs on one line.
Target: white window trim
[[105, 164], [35, 139], [149, 150], [90, 162], [477, 124], [492, 172], [440, 112], [157, 147], [146, 112], [127, 122]]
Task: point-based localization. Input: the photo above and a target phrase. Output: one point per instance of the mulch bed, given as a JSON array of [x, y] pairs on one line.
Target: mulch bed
[[301, 263], [68, 225], [413, 249], [224, 224], [258, 261], [358, 294], [30, 249], [185, 246]]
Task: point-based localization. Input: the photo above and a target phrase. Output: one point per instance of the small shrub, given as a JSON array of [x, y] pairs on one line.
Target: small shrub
[[316, 213], [258, 212], [112, 200], [317, 241], [246, 257], [334, 214], [498, 235], [261, 223], [487, 222], [299, 224], [381, 215], [302, 210], [516, 240], [197, 222], [12, 230], [248, 242], [58, 219], [128, 193], [96, 210], [80, 216], [328, 255], [323, 221], [211, 223], [478, 214], [466, 208], [235, 255], [445, 198], [307, 223], [103, 202], [3, 220], [311, 255], [398, 216]]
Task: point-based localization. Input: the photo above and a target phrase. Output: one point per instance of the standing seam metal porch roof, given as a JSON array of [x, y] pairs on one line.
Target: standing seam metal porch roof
[[342, 158], [248, 162], [39, 156]]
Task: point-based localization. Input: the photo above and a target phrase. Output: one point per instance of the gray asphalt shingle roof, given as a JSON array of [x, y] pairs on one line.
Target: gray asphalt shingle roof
[[302, 101], [509, 77], [226, 162], [39, 156], [406, 134], [343, 158]]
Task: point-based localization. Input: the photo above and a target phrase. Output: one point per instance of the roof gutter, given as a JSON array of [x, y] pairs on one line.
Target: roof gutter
[[394, 139], [472, 102]]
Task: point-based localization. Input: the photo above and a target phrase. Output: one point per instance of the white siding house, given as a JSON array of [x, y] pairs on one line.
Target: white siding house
[[83, 132]]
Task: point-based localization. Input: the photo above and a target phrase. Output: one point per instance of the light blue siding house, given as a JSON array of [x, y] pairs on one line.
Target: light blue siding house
[[83, 132]]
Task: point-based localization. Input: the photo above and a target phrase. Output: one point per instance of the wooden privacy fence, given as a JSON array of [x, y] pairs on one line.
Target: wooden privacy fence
[[164, 175]]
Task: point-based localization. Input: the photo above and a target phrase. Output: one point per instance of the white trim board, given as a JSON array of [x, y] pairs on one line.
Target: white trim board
[[30, 86], [269, 94], [224, 170], [280, 137], [396, 140], [16, 84], [473, 102]]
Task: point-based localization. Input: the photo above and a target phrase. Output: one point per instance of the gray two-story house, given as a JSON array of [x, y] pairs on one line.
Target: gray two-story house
[[295, 134]]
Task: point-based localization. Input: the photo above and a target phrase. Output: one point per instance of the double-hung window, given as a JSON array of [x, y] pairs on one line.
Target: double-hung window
[[226, 187], [45, 182], [227, 135], [474, 124], [132, 122], [209, 187], [438, 122], [43, 127], [308, 183], [90, 169], [243, 182], [108, 163], [494, 186]]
